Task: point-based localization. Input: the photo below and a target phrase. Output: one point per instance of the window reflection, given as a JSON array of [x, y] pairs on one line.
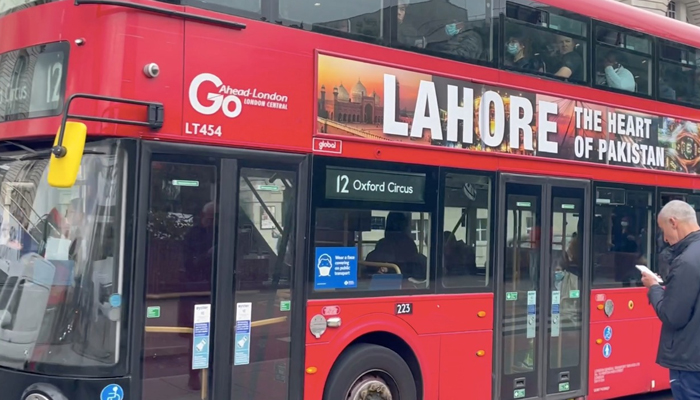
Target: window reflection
[[455, 28], [679, 77], [621, 238], [623, 60], [458, 29], [393, 247], [61, 265], [545, 40], [181, 254], [264, 265], [566, 277], [466, 231], [521, 274], [362, 19]]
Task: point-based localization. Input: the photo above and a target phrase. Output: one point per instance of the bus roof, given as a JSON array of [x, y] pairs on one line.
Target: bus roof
[[634, 18]]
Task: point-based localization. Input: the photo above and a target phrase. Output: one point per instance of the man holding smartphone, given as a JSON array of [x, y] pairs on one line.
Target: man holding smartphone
[[677, 303]]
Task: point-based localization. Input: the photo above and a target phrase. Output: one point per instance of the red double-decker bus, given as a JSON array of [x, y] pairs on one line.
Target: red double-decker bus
[[280, 199]]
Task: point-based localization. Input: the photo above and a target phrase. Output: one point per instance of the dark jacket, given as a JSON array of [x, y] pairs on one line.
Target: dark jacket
[[676, 306], [664, 256]]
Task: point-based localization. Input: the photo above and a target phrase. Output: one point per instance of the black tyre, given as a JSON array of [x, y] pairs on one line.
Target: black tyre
[[370, 372]]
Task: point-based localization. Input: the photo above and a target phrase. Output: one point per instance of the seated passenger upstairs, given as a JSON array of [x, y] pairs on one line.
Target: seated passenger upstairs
[[570, 62], [617, 76], [406, 32], [519, 54], [445, 28], [398, 247]]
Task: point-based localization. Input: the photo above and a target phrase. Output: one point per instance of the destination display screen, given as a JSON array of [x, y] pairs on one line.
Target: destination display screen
[[33, 81], [372, 185]]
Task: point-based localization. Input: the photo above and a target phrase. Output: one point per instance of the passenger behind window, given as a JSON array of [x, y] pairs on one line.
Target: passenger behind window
[[665, 90], [406, 32], [694, 89], [567, 282], [570, 62], [458, 258], [519, 54], [616, 76], [627, 254], [398, 247], [572, 254], [446, 29]]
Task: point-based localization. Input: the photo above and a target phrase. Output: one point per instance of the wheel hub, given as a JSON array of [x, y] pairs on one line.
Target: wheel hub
[[370, 387]]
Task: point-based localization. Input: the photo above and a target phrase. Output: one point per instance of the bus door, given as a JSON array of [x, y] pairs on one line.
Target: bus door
[[219, 255], [541, 293]]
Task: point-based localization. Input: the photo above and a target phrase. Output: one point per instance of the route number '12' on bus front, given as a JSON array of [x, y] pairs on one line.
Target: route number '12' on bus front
[[342, 186]]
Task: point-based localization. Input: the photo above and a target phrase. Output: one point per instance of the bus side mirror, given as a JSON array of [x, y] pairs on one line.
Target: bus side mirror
[[63, 171]]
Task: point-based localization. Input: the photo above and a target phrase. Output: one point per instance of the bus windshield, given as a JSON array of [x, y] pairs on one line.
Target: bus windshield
[[61, 265]]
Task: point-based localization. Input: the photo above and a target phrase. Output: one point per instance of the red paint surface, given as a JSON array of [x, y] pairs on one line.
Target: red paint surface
[[445, 332], [631, 367]]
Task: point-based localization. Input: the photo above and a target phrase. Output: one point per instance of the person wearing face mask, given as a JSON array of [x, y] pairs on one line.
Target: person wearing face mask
[[678, 301], [566, 282], [517, 55], [444, 26], [627, 241]]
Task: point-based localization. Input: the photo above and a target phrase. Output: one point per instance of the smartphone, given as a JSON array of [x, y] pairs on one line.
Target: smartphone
[[644, 269]]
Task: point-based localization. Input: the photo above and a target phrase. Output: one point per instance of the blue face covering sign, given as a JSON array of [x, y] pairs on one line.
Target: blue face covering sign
[[335, 268]]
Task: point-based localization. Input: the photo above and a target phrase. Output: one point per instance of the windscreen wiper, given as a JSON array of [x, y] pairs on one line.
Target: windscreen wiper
[[44, 154]]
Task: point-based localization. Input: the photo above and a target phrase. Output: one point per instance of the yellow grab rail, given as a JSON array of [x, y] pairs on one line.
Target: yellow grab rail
[[184, 329]]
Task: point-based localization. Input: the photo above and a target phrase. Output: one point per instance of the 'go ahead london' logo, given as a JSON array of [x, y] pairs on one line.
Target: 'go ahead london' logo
[[230, 100]]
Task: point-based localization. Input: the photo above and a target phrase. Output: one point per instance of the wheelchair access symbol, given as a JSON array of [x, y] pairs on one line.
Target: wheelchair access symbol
[[112, 392]]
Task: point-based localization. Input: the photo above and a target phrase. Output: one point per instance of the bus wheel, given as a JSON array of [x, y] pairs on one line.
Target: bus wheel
[[370, 372]]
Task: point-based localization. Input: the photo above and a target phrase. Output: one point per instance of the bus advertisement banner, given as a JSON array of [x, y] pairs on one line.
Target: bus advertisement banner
[[378, 102]]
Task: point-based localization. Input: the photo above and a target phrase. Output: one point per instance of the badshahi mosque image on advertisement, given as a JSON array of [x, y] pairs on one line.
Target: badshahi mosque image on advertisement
[[356, 107]]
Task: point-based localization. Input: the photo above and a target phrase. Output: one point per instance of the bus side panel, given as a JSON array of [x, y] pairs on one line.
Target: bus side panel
[[659, 375], [465, 372], [322, 355], [452, 326], [622, 363], [263, 103]]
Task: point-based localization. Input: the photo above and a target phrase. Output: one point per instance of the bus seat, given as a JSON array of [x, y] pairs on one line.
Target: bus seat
[[386, 282], [103, 271], [25, 298]]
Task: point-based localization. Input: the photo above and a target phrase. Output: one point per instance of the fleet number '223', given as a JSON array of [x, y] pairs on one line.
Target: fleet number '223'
[[193, 128]]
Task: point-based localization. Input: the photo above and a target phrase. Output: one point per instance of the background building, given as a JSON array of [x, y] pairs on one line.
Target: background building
[[682, 10]]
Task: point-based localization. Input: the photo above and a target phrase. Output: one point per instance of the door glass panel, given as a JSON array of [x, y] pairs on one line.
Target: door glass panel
[[521, 274], [180, 256], [565, 274], [263, 296]]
